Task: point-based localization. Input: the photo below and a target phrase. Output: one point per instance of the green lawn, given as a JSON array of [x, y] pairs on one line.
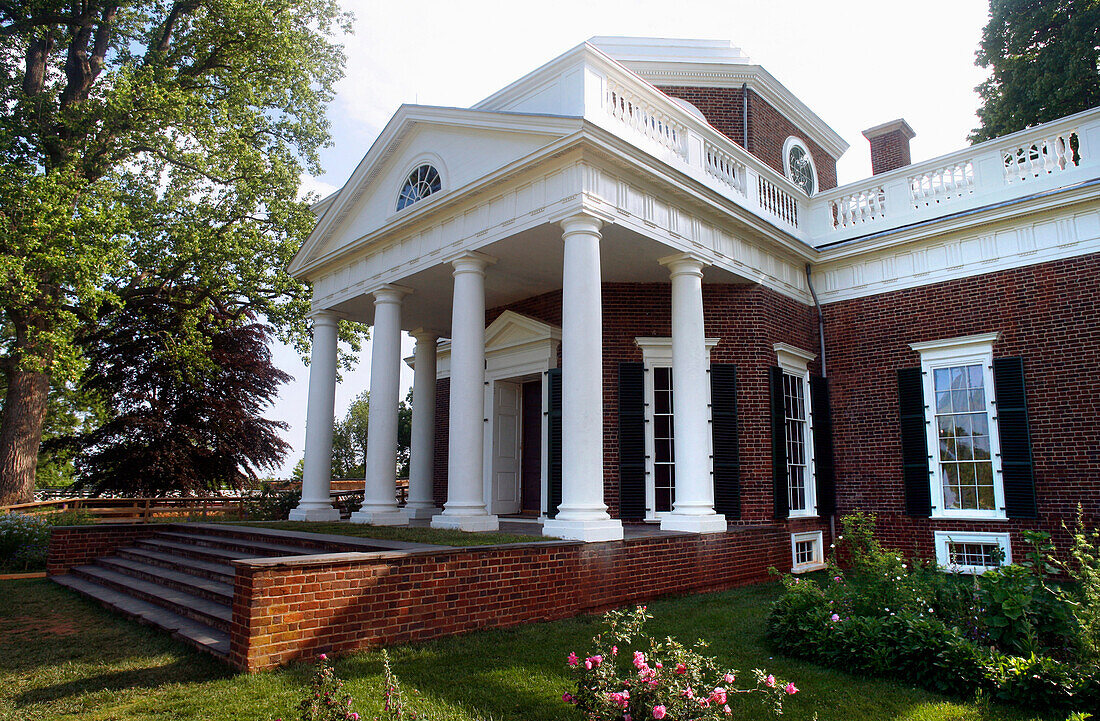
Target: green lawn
[[438, 536], [61, 657]]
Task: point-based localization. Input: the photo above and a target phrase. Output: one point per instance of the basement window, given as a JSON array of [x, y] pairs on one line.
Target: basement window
[[807, 553], [972, 552]]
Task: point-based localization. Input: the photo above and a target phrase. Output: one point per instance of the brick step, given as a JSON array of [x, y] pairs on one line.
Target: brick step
[[220, 572], [205, 611], [215, 591], [232, 543], [190, 631]]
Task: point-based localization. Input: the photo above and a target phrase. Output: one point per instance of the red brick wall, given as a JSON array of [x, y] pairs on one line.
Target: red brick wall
[[768, 128], [284, 611], [889, 152], [77, 545], [747, 318], [1048, 314]]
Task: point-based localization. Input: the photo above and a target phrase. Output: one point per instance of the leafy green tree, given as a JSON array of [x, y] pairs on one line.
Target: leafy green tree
[[1045, 61], [148, 145], [349, 438]]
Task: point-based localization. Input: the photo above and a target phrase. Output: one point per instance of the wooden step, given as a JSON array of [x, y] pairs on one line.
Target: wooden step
[[205, 611], [201, 636]]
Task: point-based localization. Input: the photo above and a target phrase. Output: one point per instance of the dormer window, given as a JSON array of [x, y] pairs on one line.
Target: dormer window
[[421, 183], [799, 165]]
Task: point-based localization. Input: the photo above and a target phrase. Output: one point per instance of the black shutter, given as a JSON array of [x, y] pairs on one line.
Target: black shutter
[[726, 460], [779, 444], [1017, 467], [631, 441], [914, 443], [553, 442], [825, 471]]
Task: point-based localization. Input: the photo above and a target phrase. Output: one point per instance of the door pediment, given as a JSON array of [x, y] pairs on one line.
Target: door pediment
[[515, 345]]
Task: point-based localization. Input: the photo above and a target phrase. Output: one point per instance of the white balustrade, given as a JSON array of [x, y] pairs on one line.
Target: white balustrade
[[724, 167], [1043, 156], [776, 201], [631, 109], [943, 184], [859, 208]]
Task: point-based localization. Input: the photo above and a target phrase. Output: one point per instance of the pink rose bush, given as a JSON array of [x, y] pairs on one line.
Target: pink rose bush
[[658, 680]]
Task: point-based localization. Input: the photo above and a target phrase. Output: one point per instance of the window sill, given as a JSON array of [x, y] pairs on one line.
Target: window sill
[[801, 516], [968, 518], [808, 568]]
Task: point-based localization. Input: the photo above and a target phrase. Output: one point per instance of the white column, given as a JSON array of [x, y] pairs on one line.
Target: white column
[[316, 503], [422, 442], [380, 494], [582, 514], [465, 507], [694, 506]]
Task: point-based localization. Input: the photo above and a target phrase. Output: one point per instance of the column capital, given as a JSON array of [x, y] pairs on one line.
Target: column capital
[[684, 264], [426, 335], [389, 293], [586, 223], [324, 317], [470, 261]]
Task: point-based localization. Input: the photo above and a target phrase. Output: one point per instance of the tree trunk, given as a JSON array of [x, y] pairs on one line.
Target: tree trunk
[[21, 434]]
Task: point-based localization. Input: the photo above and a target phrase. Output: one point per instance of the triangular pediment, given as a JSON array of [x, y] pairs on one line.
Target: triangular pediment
[[463, 145], [511, 330]]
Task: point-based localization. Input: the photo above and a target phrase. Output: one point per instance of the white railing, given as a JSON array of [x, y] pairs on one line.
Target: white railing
[[1062, 152], [724, 167], [859, 208], [942, 185], [1049, 154], [631, 109], [778, 202]]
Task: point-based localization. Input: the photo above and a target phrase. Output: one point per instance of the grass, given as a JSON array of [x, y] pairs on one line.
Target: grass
[[64, 658], [438, 536]]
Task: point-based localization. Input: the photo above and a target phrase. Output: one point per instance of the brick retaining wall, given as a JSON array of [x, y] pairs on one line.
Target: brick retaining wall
[[78, 545], [287, 609]]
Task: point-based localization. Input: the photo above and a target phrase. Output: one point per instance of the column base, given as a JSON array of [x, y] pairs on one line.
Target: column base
[[710, 523], [606, 529], [380, 518], [412, 512], [314, 513], [481, 522]]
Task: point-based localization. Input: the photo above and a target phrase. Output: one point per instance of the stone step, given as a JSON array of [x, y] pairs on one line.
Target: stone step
[[205, 611], [249, 546], [220, 572], [190, 550], [194, 633], [195, 585]]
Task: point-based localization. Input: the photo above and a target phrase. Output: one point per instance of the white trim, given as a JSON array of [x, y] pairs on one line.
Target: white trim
[[818, 561], [963, 350], [942, 538], [792, 142], [657, 353], [791, 358]]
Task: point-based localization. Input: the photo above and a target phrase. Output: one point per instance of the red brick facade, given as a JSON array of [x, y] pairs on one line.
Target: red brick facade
[[1047, 314], [79, 545], [286, 609], [768, 128]]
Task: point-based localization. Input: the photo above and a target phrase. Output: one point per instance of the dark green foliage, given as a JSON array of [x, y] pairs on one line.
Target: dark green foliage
[[24, 538], [273, 503], [349, 438], [326, 699], [178, 426], [1044, 56]]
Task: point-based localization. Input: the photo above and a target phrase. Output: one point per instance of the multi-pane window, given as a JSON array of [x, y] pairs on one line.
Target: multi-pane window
[[798, 471], [987, 555], [962, 431], [972, 552], [422, 182], [803, 552], [664, 469], [806, 551]]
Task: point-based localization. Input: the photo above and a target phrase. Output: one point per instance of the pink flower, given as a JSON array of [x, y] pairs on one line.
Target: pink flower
[[322, 657], [573, 660], [639, 659], [728, 678], [790, 689], [719, 695], [353, 716], [659, 712], [770, 681], [593, 661], [588, 664], [834, 618], [567, 697], [688, 692], [681, 668], [614, 650], [659, 665], [704, 703], [726, 710]]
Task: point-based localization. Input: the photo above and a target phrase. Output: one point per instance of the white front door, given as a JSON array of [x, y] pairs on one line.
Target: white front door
[[507, 407]]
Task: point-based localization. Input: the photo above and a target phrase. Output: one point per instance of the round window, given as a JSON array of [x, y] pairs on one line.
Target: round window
[[421, 183], [800, 166]]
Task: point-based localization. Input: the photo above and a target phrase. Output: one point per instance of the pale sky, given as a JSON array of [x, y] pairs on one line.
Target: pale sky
[[856, 64]]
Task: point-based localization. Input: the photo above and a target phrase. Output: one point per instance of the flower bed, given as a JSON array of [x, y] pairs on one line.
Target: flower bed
[[1013, 634]]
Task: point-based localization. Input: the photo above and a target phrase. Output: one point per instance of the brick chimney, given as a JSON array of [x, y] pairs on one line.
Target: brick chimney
[[889, 145]]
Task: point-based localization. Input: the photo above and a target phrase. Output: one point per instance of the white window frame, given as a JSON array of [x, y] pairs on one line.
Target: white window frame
[[792, 142], [657, 353], [818, 561], [964, 350], [795, 362], [943, 538]]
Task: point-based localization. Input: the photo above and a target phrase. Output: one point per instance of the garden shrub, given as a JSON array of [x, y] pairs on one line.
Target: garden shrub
[[327, 699], [273, 503], [1084, 598], [25, 538], [630, 675]]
